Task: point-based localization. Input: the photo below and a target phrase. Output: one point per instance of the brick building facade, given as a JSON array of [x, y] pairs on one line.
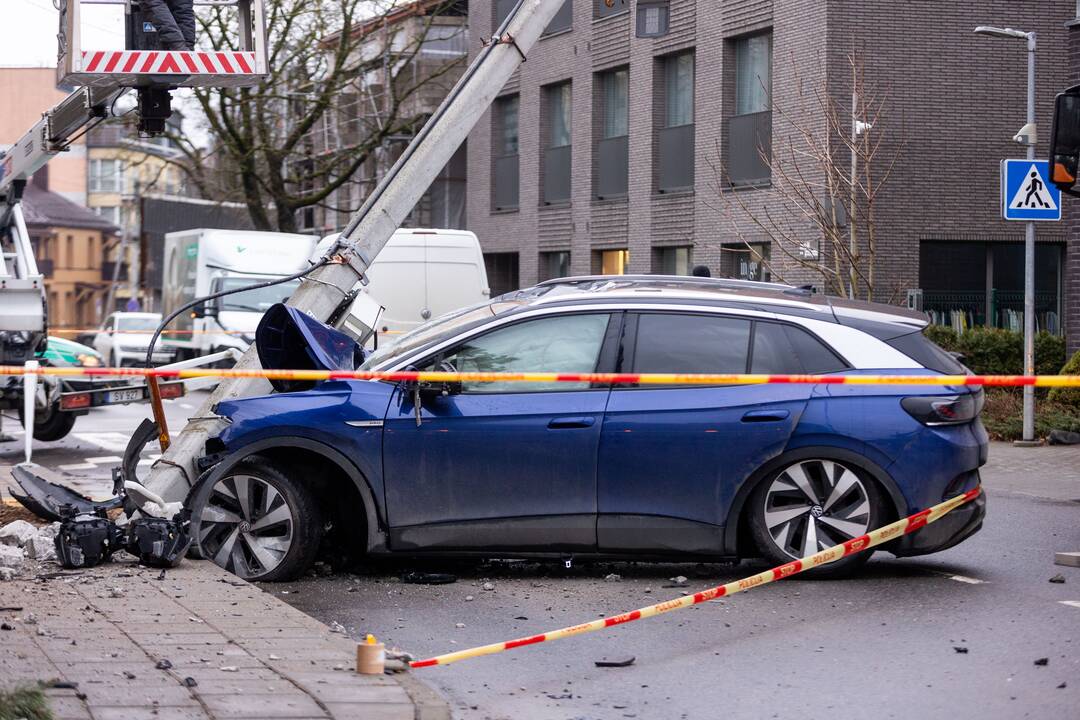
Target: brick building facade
[[547, 200]]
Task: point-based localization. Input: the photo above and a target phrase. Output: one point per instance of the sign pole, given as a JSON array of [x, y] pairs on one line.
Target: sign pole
[[1029, 265]]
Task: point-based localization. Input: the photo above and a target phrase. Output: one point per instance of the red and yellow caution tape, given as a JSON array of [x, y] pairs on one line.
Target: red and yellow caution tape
[[876, 537], [542, 377]]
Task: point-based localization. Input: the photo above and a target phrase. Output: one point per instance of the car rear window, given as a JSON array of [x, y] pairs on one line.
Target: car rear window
[[670, 343], [927, 353], [783, 349]]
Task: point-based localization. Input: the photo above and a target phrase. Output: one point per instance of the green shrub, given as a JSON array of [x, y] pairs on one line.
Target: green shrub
[[1003, 415], [1069, 397], [24, 703], [993, 351]]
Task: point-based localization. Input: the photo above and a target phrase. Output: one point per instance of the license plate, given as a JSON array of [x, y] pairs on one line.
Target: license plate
[[123, 396]]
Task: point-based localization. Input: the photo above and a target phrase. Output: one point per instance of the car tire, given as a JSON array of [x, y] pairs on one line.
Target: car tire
[[812, 504], [229, 521], [51, 424]]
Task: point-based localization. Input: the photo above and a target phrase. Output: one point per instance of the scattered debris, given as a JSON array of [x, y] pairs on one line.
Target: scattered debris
[[129, 675], [960, 649], [459, 625], [163, 664], [189, 682], [227, 668], [613, 577], [1042, 662], [6, 626], [1064, 437], [116, 592], [6, 574], [336, 627], [17, 533], [679, 581], [10, 557], [617, 662], [161, 575], [1061, 686], [521, 617], [488, 587], [415, 577], [469, 598], [1059, 579]]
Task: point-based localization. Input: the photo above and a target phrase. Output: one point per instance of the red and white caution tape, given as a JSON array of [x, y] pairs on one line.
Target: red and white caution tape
[[876, 537], [540, 377]]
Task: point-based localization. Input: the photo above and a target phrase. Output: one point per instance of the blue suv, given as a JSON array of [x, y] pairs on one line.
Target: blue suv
[[578, 469]]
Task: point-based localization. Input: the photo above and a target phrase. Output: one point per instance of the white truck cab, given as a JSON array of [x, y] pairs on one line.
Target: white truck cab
[[202, 262]]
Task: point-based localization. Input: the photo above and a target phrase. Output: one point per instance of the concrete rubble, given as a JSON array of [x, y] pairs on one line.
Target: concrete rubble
[[21, 542]]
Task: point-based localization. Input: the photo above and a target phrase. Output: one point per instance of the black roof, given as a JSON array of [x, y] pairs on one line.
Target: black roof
[[42, 208]]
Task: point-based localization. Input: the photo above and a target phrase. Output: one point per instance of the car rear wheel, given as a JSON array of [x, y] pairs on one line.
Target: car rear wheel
[[258, 521], [811, 505]]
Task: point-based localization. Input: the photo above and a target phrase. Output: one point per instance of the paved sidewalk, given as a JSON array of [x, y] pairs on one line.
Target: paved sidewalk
[[1048, 471], [196, 645]]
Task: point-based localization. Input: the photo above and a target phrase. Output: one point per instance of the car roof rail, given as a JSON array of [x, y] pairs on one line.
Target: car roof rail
[[688, 281]]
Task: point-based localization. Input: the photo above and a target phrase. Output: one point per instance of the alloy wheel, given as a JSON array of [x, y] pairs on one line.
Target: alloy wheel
[[815, 504], [246, 525]]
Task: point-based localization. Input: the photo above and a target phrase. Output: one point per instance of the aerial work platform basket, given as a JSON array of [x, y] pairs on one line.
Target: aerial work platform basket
[[144, 64]]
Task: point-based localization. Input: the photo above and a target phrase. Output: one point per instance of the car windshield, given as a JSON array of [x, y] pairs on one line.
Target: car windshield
[[253, 300], [138, 324], [435, 330]]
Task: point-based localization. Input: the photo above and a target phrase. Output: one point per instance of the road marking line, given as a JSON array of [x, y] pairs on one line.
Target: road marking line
[[78, 466], [1070, 603], [104, 459], [110, 441], [965, 579]]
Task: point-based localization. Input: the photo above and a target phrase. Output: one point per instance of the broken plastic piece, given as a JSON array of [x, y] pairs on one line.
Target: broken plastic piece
[[86, 540], [158, 542], [45, 499]]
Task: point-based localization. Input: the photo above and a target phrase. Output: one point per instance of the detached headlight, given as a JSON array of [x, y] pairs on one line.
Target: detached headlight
[[936, 410], [88, 360]]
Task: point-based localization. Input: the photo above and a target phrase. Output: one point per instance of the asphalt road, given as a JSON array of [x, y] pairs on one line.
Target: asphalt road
[[882, 645]]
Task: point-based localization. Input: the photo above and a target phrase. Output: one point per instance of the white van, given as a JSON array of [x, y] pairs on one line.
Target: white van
[[422, 274]]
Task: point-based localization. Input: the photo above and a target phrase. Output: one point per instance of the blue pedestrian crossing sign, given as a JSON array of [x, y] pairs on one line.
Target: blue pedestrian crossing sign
[[1025, 194]]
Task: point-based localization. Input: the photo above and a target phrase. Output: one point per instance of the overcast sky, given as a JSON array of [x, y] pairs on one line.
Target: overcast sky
[[31, 25]]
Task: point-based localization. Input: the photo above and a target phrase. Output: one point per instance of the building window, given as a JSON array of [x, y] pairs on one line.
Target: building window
[[653, 18], [554, 265], [502, 10], [606, 8], [555, 170], [675, 138], [505, 191], [106, 175], [746, 261], [613, 262], [502, 272], [750, 128], [446, 41], [672, 260], [613, 147], [110, 213], [563, 20]]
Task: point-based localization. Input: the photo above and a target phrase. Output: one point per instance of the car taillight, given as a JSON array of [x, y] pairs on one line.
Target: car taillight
[[74, 401], [171, 390], [936, 410]]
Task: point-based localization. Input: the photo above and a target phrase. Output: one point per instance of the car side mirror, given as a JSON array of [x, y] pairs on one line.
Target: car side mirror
[[1065, 141]]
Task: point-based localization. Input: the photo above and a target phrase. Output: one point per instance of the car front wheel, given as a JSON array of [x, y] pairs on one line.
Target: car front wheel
[[258, 521], [811, 505]]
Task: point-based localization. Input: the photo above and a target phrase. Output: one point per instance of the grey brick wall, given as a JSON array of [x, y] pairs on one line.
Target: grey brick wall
[[954, 102]]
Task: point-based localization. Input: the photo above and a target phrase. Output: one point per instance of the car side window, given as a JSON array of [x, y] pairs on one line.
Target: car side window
[[784, 349], [564, 344], [684, 343]]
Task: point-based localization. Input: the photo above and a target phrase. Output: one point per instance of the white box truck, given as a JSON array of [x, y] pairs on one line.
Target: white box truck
[[421, 274], [203, 262]]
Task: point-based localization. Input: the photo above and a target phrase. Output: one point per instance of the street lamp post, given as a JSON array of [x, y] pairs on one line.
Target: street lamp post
[[1029, 234]]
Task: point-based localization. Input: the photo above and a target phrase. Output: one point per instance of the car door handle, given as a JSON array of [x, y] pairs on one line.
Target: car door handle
[[569, 423], [756, 416]]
